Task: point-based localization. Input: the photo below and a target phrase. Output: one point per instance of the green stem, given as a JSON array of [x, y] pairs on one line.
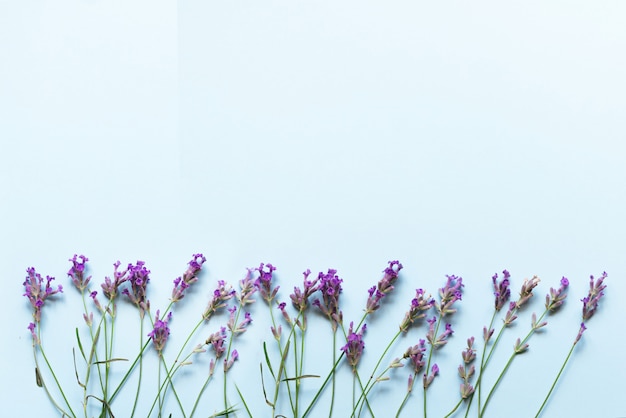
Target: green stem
[[41, 381], [430, 356], [406, 397], [132, 414], [508, 364], [558, 376], [43, 354], [455, 408]]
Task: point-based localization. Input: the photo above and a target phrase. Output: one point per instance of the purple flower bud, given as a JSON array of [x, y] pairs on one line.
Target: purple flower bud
[[160, 332], [354, 346], [501, 290], [596, 292], [76, 272], [37, 292]]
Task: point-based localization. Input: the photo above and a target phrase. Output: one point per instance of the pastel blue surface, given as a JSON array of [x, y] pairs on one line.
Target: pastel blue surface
[[458, 138]]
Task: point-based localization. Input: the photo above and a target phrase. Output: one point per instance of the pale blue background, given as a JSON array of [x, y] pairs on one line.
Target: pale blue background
[[459, 138]]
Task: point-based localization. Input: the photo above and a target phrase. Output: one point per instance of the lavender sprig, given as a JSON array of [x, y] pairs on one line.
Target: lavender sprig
[[590, 306]]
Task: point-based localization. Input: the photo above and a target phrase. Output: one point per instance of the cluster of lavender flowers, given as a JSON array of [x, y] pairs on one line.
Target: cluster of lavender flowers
[[285, 370]]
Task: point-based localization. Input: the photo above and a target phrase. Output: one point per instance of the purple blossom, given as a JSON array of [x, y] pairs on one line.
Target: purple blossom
[[31, 327], [510, 314], [221, 295], [520, 346], [469, 354], [77, 271], [580, 332], [138, 277], [300, 298], [228, 363], [442, 339], [232, 321], [556, 297], [501, 290], [264, 282], [596, 291], [527, 291], [428, 378], [419, 306], [330, 288], [109, 287], [416, 355], [188, 278], [37, 292], [354, 346], [385, 285], [449, 294], [160, 332], [218, 341], [248, 288]]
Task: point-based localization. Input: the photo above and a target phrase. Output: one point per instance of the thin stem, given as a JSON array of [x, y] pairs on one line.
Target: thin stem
[[558, 376], [406, 397], [430, 355], [132, 414], [332, 396], [508, 364], [455, 408], [43, 353], [40, 380]]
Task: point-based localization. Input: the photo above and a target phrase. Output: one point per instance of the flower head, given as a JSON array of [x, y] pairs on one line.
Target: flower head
[[428, 378], [221, 295], [263, 283], [419, 306], [218, 341], [248, 288], [596, 291], [330, 288], [556, 297], [385, 285], [501, 289], [416, 355], [188, 278], [77, 272], [37, 290], [354, 346], [300, 298], [527, 291], [109, 287], [449, 294], [138, 277], [160, 332]]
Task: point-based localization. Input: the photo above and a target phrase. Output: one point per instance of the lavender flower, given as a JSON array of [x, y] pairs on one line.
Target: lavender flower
[[241, 327], [37, 292], [77, 272], [354, 346], [441, 340], [449, 294], [419, 306], [416, 355], [385, 285], [247, 289], [428, 378], [596, 291], [228, 363], [300, 298], [501, 290], [466, 373], [189, 277], [264, 282], [109, 287], [580, 332], [527, 291], [31, 327], [510, 315], [160, 332], [218, 341], [556, 297], [330, 288], [221, 295], [138, 277]]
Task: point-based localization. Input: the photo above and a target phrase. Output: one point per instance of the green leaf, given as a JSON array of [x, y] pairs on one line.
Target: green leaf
[[80, 345]]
